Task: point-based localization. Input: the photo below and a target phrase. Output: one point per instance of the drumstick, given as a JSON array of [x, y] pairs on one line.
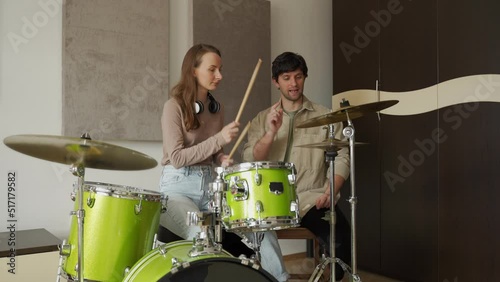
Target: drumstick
[[243, 133], [249, 88]]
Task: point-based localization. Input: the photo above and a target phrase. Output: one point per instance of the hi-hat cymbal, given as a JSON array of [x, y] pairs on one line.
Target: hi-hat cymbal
[[330, 145], [343, 113], [90, 153]]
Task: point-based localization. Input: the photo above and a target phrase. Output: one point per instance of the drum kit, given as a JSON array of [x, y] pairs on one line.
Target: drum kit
[[113, 227]]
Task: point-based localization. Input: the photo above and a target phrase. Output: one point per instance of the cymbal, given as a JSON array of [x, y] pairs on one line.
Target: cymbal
[[341, 114], [69, 150], [329, 145]]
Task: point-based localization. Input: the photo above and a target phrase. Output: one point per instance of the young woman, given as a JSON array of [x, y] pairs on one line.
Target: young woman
[[193, 137]]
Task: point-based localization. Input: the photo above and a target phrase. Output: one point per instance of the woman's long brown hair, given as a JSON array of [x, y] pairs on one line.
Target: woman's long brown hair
[[186, 89]]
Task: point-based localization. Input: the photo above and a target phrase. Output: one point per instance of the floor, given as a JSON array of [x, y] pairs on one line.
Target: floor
[[299, 264]]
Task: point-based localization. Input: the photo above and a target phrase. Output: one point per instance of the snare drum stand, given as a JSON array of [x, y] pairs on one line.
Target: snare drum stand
[[209, 239], [205, 242]]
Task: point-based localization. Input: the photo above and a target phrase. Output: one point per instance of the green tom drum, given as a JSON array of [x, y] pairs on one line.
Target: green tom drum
[[260, 196]]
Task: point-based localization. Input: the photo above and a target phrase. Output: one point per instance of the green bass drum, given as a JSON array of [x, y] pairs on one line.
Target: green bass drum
[[171, 262]]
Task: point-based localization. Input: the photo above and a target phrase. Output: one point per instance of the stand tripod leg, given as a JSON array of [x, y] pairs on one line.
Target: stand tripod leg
[[253, 243], [257, 240], [318, 271]]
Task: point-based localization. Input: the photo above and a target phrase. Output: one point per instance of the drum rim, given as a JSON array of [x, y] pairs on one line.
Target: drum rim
[[238, 261], [152, 255], [268, 223], [122, 191], [263, 165]]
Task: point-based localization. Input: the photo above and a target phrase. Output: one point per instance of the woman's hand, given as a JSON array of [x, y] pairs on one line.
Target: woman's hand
[[230, 131], [225, 161]]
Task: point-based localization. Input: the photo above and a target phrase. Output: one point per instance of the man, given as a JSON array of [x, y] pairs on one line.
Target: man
[[273, 136]]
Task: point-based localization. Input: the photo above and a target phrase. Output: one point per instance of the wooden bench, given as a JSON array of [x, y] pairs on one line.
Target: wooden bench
[[301, 233]]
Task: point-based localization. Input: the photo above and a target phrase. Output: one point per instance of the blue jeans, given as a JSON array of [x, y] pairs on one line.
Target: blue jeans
[[187, 190]]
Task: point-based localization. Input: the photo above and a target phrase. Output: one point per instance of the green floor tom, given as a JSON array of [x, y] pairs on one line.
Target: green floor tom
[[120, 223]]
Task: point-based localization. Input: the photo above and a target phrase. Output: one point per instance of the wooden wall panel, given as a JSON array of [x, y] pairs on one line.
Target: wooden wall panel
[[355, 54], [242, 32], [438, 211], [408, 60], [468, 172], [469, 224], [115, 68], [356, 66], [468, 38]]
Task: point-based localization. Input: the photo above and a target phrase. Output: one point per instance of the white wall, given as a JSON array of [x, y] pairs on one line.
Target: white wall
[[305, 27], [30, 97]]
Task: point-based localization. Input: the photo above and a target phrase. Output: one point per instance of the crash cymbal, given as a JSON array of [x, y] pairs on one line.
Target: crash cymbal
[[342, 113], [90, 153], [330, 145]]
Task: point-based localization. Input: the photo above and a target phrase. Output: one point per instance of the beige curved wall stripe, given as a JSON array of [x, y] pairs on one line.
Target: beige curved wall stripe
[[474, 88]]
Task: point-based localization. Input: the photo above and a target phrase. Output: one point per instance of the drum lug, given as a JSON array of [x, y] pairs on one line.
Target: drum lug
[[90, 202], [163, 250], [292, 177], [91, 198], [126, 271], [176, 263], [138, 207], [294, 206], [258, 179], [259, 206]]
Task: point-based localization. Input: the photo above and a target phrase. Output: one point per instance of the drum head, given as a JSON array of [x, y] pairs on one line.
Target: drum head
[[218, 270]]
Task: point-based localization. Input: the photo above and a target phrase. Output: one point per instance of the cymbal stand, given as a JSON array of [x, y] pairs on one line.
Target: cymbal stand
[[79, 171], [349, 133], [64, 249], [330, 155]]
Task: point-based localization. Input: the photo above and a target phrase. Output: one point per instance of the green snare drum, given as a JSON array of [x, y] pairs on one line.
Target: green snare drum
[[171, 262], [119, 227], [260, 196]]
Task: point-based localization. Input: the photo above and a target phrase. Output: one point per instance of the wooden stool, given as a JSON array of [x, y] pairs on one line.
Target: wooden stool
[[301, 233]]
